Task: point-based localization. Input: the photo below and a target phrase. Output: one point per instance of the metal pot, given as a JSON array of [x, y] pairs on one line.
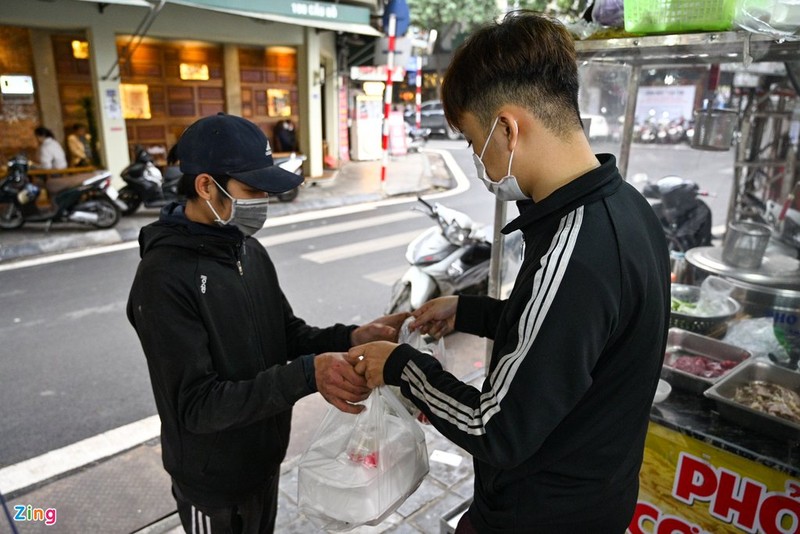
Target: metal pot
[[714, 128], [745, 244]]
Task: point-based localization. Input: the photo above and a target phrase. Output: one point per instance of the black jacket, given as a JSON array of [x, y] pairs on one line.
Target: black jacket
[[217, 332], [557, 430]]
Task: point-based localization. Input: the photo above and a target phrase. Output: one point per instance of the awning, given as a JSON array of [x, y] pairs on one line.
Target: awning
[[324, 15]]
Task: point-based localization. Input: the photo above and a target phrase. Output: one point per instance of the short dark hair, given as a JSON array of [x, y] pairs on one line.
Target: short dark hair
[[41, 131], [78, 126], [528, 59], [186, 184]]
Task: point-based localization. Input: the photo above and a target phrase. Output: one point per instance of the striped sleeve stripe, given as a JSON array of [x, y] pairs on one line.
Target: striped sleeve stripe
[[443, 406], [545, 286]]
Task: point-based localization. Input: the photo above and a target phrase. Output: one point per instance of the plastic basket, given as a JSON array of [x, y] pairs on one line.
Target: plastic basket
[[662, 16]]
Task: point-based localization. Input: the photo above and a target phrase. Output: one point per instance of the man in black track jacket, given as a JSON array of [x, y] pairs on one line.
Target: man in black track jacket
[[218, 332], [557, 430]]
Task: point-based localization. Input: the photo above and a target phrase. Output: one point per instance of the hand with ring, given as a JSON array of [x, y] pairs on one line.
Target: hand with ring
[[369, 359]]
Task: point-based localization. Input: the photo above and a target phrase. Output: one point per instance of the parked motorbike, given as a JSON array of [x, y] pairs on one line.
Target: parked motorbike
[[146, 185], [451, 257], [87, 198], [292, 163], [685, 218], [416, 138]]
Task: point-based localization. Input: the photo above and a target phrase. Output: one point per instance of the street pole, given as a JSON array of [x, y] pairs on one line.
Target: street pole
[[418, 100], [387, 96]]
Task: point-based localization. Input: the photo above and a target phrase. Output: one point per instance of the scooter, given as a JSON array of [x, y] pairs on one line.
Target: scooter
[[416, 138], [87, 198], [292, 163], [685, 218], [451, 257], [146, 185]]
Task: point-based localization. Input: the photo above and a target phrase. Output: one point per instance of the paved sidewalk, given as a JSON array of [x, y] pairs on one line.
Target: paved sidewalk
[[356, 182], [129, 491]]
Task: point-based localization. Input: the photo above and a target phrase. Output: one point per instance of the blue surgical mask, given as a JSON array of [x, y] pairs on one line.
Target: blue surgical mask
[[248, 215], [507, 187]]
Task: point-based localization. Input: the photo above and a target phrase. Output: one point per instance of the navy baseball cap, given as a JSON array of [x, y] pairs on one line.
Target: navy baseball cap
[[233, 146]]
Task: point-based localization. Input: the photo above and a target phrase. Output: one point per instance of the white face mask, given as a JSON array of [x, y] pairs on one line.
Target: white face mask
[[248, 215], [507, 187]]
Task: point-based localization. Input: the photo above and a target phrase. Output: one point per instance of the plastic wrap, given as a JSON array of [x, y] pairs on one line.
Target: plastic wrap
[[435, 349], [777, 18], [358, 469]]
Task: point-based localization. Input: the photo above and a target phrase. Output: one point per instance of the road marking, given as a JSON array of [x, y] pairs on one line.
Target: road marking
[[388, 276], [71, 457], [69, 256], [330, 229], [358, 249]]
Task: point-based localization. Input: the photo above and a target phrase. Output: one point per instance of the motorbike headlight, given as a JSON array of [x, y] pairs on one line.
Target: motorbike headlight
[[456, 235]]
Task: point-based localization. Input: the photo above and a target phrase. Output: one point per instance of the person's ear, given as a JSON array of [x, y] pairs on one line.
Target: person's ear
[[203, 184], [508, 124]]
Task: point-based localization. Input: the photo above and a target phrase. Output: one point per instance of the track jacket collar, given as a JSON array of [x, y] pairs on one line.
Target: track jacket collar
[[595, 184], [174, 229]]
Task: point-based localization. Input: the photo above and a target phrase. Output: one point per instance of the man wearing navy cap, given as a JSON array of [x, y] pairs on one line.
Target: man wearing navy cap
[[218, 332]]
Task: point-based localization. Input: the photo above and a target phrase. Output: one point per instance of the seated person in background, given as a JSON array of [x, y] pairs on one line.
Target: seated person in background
[[78, 144], [286, 136], [50, 154]]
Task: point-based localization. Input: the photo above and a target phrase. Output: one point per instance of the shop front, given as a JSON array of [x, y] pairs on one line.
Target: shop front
[[138, 72]]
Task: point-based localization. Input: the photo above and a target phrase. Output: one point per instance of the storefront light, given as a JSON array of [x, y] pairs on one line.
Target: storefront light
[[135, 101], [80, 49], [194, 71], [373, 88]]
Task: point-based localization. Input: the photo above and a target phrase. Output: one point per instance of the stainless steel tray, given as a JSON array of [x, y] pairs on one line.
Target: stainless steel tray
[[756, 369], [696, 345]]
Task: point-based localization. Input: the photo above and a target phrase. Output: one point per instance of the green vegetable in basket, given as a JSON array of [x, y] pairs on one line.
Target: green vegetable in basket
[[683, 306]]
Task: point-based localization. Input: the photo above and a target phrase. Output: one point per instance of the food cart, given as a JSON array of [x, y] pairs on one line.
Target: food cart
[[710, 464]]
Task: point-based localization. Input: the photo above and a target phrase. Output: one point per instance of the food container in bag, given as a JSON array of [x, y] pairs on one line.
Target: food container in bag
[[694, 363], [760, 417], [359, 468]]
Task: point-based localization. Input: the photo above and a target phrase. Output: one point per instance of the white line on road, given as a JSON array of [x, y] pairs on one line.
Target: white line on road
[[65, 459], [364, 247], [330, 229]]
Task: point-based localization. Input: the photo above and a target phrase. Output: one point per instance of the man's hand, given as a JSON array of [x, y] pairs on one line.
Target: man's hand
[[436, 317], [338, 382], [384, 328], [369, 360]]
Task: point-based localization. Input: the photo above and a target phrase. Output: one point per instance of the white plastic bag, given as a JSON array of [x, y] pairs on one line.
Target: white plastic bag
[[776, 18], [435, 349], [359, 469]]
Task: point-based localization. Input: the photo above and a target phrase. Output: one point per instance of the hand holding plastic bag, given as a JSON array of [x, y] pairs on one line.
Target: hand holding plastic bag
[[359, 469], [436, 349]]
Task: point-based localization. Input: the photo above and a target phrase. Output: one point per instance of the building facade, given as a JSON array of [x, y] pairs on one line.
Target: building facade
[[139, 71]]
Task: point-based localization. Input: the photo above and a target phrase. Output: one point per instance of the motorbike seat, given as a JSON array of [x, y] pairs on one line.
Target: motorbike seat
[[56, 185]]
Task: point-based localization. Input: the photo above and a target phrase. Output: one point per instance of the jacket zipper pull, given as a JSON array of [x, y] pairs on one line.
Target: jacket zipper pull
[[239, 266]]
